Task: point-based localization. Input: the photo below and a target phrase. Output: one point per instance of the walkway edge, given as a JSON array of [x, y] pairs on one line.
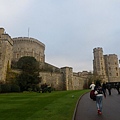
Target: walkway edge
[[74, 114]]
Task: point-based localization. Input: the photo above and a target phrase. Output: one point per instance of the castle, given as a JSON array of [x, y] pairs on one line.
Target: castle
[[106, 66], [11, 49]]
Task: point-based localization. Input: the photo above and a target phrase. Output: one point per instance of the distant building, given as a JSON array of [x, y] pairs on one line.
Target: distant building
[[107, 66]]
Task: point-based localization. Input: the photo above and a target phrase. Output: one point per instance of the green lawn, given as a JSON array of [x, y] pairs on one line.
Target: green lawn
[[58, 105]]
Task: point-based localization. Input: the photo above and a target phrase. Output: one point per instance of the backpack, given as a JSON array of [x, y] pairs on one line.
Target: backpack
[[92, 95], [99, 90]]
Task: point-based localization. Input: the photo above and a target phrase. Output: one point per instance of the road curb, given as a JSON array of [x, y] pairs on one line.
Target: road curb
[[74, 114]]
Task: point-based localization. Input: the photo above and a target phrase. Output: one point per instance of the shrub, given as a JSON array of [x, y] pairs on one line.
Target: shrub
[[5, 88], [15, 88], [29, 89], [0, 89]]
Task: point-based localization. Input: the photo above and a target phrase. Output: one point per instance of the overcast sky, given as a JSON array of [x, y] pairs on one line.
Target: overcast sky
[[70, 29]]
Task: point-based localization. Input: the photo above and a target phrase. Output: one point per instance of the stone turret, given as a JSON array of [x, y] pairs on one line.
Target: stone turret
[[6, 47], [98, 63], [68, 77], [2, 31], [106, 66]]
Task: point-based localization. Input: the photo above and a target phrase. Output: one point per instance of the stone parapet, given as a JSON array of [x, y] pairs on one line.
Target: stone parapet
[[29, 39]]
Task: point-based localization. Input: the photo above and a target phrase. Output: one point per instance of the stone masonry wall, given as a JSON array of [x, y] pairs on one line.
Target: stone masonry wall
[[55, 80], [6, 45]]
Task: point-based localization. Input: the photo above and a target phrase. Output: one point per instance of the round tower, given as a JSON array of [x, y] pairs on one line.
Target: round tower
[[25, 46]]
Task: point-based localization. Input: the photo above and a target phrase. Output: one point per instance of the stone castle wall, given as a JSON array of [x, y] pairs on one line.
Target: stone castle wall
[[55, 80], [78, 82], [64, 80]]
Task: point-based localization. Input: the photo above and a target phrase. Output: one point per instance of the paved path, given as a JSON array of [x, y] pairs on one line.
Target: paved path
[[87, 109]]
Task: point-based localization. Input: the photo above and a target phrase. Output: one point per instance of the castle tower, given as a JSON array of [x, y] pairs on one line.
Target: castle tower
[[6, 47], [25, 46], [68, 77], [98, 63], [2, 31], [112, 67]]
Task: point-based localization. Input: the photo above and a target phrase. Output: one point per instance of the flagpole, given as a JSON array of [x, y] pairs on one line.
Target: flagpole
[[28, 32]]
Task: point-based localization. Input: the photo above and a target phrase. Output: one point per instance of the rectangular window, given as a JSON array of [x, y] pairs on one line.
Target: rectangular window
[[0, 55], [116, 74]]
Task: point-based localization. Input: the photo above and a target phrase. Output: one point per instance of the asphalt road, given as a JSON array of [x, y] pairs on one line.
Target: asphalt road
[[87, 109]]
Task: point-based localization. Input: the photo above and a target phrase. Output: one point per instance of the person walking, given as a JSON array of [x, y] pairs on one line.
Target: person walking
[[92, 95], [104, 86], [109, 88], [92, 85], [99, 91], [117, 87]]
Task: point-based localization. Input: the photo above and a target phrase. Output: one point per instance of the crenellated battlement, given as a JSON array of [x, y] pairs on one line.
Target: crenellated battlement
[[28, 40], [97, 49], [2, 31]]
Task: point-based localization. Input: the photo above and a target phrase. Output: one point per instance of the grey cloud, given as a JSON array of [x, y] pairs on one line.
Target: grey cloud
[[70, 29]]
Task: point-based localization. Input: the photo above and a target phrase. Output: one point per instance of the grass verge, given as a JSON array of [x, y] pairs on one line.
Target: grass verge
[[58, 105]]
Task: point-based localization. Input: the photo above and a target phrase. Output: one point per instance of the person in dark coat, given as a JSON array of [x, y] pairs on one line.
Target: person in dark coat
[[117, 87], [104, 86], [109, 88]]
